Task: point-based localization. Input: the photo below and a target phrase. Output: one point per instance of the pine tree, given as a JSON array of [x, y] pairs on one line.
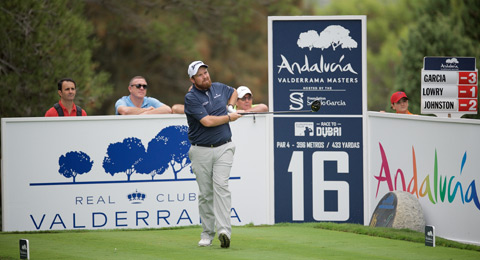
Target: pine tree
[[40, 43], [444, 28]]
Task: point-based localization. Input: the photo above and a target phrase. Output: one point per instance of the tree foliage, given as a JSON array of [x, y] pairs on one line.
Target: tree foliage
[[40, 42], [443, 28], [158, 39], [386, 22]]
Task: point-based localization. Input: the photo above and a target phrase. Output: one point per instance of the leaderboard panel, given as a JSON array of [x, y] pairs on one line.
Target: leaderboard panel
[[449, 86]]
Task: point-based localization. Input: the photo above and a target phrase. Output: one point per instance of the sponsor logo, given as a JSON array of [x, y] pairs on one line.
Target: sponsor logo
[[333, 36], [297, 101], [296, 98], [324, 129], [451, 64], [124, 163], [304, 129], [431, 188], [320, 67], [168, 150], [136, 197], [333, 103]]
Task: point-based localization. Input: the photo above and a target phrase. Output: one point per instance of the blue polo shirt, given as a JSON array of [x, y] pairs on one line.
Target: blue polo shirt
[[147, 102], [201, 103]]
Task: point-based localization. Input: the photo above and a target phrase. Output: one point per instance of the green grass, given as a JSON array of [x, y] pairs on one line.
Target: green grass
[[398, 234], [281, 241]]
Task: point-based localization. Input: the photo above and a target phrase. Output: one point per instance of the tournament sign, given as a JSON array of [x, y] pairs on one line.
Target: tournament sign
[[449, 86], [318, 157]]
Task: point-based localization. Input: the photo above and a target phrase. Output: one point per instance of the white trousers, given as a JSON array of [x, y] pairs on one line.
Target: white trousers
[[211, 167]]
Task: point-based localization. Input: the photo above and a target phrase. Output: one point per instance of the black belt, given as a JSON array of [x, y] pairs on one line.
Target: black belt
[[213, 145]]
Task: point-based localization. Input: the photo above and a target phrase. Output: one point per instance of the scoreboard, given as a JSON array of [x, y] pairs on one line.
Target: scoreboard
[[449, 86]]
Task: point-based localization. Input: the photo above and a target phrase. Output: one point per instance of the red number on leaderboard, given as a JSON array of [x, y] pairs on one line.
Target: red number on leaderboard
[[467, 91], [469, 104], [467, 77]]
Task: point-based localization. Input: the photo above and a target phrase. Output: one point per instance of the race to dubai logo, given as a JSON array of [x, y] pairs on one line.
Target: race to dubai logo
[[333, 35], [304, 129]]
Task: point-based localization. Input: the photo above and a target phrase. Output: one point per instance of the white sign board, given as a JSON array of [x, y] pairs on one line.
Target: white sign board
[[434, 159], [77, 173]]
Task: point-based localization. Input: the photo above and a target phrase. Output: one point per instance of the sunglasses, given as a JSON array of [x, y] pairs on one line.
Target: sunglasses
[[245, 98], [140, 85]]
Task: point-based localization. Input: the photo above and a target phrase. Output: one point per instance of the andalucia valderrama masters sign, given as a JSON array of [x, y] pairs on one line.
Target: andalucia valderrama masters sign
[[318, 157]]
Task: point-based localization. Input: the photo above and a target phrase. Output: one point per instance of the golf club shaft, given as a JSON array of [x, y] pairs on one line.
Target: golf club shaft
[[275, 112], [315, 107]]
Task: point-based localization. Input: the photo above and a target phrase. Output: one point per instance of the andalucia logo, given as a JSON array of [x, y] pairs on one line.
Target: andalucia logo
[[333, 36]]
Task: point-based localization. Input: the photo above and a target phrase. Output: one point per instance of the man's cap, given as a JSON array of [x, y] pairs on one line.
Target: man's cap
[[194, 66], [242, 91], [397, 96]]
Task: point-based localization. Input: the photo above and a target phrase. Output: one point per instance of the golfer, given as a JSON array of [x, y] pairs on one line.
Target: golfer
[[209, 109]]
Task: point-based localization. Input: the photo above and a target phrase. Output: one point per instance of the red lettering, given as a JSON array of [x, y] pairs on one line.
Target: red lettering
[[386, 169]]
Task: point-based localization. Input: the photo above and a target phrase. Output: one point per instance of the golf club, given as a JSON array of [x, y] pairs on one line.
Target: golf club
[[315, 106]]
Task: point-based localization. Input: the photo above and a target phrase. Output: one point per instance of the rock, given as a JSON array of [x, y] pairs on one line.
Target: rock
[[399, 209]]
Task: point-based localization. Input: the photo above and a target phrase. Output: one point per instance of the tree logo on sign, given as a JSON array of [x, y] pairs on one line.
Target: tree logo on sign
[[74, 163], [333, 35]]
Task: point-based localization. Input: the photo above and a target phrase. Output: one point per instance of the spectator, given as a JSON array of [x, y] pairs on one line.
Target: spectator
[[245, 100], [179, 108], [65, 106], [399, 102], [137, 103]]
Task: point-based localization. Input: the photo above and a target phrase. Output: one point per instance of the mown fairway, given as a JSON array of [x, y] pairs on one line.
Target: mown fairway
[[282, 241]]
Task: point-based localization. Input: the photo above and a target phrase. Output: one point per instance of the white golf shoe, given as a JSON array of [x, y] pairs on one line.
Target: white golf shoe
[[205, 242]]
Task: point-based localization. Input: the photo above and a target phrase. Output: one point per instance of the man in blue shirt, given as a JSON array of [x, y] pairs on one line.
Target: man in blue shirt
[[209, 109], [137, 103]]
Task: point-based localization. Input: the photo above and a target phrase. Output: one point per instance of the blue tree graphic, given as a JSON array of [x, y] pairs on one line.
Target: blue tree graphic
[[124, 156], [177, 143], [74, 163], [156, 160]]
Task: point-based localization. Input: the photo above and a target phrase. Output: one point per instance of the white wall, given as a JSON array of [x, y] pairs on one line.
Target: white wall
[[429, 150], [37, 197]]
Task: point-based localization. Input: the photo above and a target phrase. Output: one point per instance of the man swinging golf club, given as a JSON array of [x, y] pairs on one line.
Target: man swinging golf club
[[212, 150]]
